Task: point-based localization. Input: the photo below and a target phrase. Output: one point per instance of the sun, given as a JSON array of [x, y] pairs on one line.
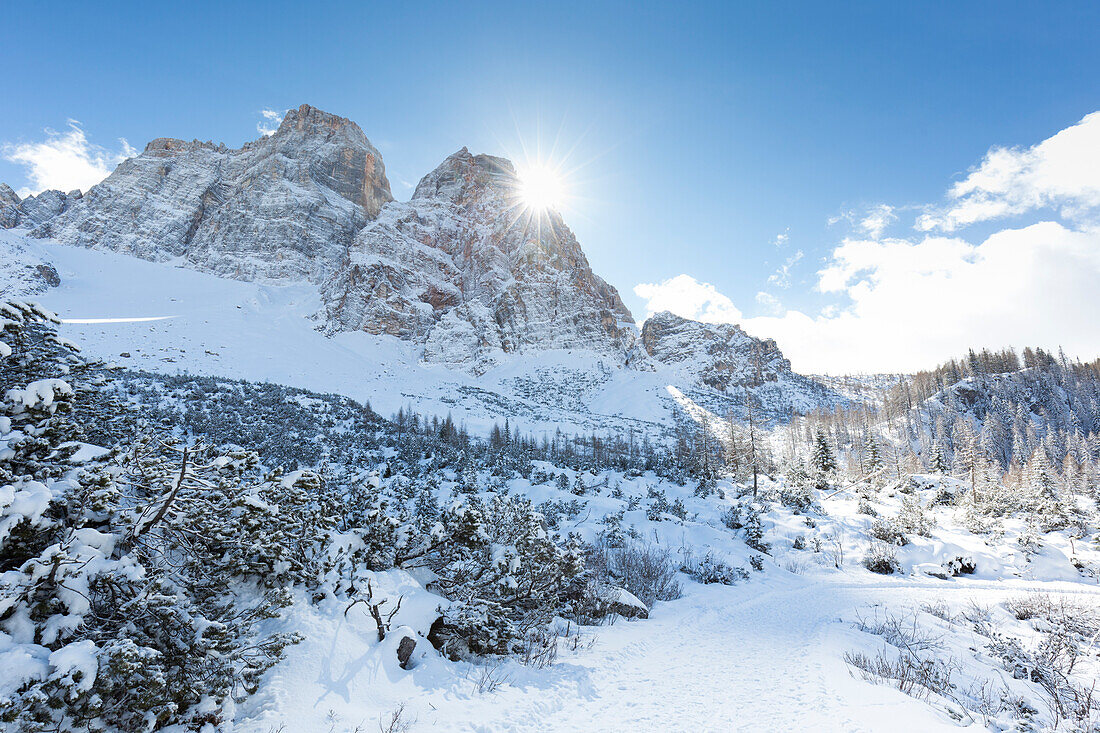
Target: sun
[[541, 188]]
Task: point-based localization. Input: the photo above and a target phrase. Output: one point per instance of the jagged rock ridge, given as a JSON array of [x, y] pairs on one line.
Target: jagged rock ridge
[[719, 355], [33, 210], [733, 365], [283, 207], [466, 270]]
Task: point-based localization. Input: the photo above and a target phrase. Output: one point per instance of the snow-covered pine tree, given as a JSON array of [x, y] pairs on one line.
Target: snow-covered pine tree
[[1043, 499], [822, 459], [937, 461], [872, 455]]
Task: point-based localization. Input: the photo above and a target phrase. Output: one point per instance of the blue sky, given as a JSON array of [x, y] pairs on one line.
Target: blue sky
[[695, 135]]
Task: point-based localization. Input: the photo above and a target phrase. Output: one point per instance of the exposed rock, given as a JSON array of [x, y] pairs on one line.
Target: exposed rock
[[720, 355], [9, 207], [284, 207], [622, 602], [33, 210], [48, 274], [465, 270], [405, 649], [23, 270]]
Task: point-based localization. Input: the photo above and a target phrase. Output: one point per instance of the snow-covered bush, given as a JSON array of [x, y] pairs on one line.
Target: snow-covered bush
[[959, 565], [794, 494], [912, 518], [886, 530], [880, 558], [645, 571], [504, 573], [732, 518], [711, 569]]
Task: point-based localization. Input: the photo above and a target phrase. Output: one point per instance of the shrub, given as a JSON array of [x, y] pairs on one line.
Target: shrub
[[646, 571], [886, 531], [881, 559], [914, 676], [712, 570], [732, 518], [960, 565], [865, 507]]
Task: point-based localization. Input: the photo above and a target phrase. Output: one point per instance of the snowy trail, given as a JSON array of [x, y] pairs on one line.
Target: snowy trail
[[723, 659], [767, 655]]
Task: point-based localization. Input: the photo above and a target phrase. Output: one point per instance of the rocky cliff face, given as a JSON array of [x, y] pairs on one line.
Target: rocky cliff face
[[9, 207], [464, 269], [726, 370], [33, 210], [284, 207], [719, 355]]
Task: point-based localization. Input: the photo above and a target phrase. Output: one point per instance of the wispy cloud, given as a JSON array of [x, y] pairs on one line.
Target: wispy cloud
[[1061, 172], [781, 278], [876, 220], [769, 303], [65, 160], [270, 122]]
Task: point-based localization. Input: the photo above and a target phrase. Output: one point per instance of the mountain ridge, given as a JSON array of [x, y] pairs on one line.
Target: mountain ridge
[[463, 270]]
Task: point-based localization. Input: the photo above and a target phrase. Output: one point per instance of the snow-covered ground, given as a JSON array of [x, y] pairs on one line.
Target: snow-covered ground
[[766, 655], [168, 319]]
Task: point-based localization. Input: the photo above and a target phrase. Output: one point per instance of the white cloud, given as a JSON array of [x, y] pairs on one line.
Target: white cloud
[[905, 303], [1061, 172], [876, 220], [769, 303], [914, 304], [688, 298], [782, 277], [65, 160], [270, 122], [782, 238]]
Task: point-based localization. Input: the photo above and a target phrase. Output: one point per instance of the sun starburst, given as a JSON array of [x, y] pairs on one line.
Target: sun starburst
[[541, 188]]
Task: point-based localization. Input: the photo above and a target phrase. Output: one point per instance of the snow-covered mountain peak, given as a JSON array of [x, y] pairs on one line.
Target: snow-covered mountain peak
[[465, 270], [282, 208], [719, 354], [463, 175]]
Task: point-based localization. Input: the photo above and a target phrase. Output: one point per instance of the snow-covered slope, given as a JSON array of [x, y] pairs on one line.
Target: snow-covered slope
[[167, 318], [171, 319]]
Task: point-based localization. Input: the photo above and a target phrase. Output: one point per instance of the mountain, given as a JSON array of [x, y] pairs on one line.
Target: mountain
[[723, 364], [464, 269], [718, 355], [30, 212], [463, 274], [284, 207]]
